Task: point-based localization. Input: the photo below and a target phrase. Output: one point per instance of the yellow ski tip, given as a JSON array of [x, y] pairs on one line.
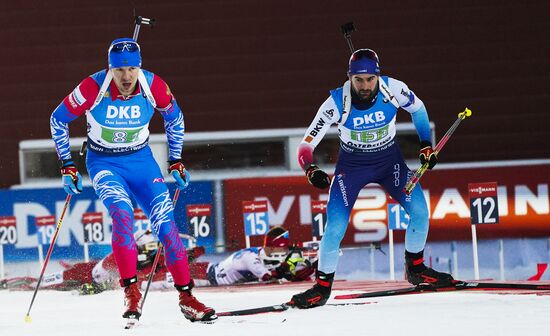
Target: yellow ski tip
[[466, 113], [28, 319]]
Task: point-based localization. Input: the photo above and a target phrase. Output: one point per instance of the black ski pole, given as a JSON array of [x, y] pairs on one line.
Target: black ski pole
[[348, 28]]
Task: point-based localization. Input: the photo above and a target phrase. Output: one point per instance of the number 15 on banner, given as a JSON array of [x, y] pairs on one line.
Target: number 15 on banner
[[256, 221]]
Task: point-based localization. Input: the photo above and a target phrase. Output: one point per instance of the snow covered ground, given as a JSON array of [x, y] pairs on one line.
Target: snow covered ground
[[450, 313]]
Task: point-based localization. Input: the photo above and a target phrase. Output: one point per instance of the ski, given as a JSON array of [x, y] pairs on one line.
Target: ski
[[254, 311], [459, 285], [280, 308], [131, 323]]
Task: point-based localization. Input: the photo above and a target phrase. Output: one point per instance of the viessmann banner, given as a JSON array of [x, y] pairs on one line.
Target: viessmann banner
[[523, 204]]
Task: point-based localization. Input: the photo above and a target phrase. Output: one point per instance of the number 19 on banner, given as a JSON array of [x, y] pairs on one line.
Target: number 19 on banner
[[256, 221], [45, 228]]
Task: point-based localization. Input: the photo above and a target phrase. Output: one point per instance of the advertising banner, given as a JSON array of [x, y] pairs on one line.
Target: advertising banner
[[28, 204], [522, 197]]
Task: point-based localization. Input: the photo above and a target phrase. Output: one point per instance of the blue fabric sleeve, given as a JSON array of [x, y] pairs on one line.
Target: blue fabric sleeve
[[59, 127], [175, 129], [422, 123]]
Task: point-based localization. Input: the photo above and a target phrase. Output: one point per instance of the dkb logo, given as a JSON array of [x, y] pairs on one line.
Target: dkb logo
[[121, 112]]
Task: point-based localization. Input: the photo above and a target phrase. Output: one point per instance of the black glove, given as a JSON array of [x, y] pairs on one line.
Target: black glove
[[282, 271], [92, 288], [427, 154], [317, 177]]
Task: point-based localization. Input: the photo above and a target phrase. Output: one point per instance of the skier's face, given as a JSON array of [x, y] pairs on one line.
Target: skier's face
[[364, 85], [271, 251], [125, 79]]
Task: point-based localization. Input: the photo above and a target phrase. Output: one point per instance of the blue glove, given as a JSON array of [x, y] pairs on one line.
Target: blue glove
[[72, 180], [180, 174]]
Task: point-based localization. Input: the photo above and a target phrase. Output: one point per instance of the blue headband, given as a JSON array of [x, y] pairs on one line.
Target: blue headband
[[124, 52]]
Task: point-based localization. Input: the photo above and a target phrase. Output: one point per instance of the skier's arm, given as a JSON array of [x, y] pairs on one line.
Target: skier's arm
[[72, 107], [412, 104], [173, 117], [326, 116], [255, 265], [175, 129]]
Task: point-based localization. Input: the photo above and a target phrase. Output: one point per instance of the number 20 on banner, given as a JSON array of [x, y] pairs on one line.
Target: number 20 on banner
[[256, 221], [483, 203], [8, 230]]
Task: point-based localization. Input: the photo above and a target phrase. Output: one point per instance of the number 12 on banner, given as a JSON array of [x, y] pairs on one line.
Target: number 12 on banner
[[483, 203], [256, 220]]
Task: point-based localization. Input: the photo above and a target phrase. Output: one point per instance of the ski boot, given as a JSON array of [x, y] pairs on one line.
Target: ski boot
[[317, 295], [193, 309], [420, 274], [132, 298]]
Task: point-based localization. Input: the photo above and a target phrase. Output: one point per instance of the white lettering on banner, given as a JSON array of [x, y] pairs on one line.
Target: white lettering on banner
[[306, 217], [451, 202], [525, 197], [305, 209], [371, 198], [277, 217], [376, 232], [371, 222], [368, 215], [22, 211], [428, 201], [107, 223], [71, 221], [502, 200]]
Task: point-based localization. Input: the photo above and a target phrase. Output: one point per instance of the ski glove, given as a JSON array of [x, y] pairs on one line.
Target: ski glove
[[427, 154], [180, 174], [72, 180], [317, 177]]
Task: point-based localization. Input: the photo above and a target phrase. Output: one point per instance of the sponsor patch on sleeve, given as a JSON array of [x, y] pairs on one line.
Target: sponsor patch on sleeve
[[76, 97], [410, 96], [309, 139]]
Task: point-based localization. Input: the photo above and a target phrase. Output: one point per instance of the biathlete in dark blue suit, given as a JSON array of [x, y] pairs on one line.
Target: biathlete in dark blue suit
[[365, 109]]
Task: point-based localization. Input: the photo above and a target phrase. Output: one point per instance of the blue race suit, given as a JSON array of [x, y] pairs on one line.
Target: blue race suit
[[368, 154]]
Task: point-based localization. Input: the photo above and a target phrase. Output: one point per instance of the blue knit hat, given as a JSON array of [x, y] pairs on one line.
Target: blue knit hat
[[364, 61], [124, 52]]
